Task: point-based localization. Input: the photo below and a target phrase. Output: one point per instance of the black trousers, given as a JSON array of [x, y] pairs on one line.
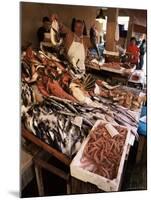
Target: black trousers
[[137, 66], [141, 62]]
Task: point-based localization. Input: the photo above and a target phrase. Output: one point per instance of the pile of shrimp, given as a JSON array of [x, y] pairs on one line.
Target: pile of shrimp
[[102, 153]]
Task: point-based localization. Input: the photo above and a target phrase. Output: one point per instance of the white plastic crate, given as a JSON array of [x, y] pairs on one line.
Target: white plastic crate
[[100, 181]]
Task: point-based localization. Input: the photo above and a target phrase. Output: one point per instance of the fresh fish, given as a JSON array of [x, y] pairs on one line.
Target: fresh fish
[[121, 119], [27, 95], [54, 33], [26, 69], [124, 112], [53, 121]]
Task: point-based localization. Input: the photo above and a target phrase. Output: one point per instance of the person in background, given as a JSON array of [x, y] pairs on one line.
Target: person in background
[[120, 48], [133, 52], [138, 42], [94, 35], [142, 53], [43, 31], [85, 28], [73, 26]]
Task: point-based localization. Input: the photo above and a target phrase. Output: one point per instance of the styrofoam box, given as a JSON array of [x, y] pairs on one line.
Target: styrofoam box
[[100, 181]]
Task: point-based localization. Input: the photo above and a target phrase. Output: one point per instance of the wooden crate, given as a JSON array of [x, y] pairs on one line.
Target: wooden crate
[[100, 181], [111, 58]]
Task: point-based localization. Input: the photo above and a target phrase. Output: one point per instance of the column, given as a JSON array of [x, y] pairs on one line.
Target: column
[[130, 32], [112, 21]]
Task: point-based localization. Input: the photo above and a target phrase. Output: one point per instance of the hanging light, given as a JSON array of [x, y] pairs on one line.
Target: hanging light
[[100, 15]]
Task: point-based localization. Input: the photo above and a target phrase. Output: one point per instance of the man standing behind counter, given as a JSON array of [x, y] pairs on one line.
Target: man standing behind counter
[[76, 44], [134, 52], [44, 30]]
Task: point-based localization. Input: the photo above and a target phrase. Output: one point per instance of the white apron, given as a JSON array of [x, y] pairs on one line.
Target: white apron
[[76, 54], [46, 44]]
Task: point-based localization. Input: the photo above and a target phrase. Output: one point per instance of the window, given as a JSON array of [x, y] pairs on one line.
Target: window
[[124, 20]]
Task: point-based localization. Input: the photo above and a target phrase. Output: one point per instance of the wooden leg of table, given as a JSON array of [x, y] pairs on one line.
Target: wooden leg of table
[[69, 186], [140, 148], [39, 180]]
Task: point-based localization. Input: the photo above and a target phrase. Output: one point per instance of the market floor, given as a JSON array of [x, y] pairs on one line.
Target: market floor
[[135, 178]]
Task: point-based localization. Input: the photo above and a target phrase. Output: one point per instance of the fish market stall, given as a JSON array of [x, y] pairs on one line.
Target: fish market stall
[[77, 111], [59, 112], [113, 70]]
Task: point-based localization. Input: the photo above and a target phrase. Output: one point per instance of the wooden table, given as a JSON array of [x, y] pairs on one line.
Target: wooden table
[[123, 75], [26, 167], [41, 161], [31, 137]]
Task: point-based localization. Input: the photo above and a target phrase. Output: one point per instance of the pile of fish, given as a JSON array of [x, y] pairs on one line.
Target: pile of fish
[[127, 65], [27, 94], [64, 124], [118, 65], [93, 62], [58, 108], [103, 151], [113, 65], [56, 126], [123, 97]]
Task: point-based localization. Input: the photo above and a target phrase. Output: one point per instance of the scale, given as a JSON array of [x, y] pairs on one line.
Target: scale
[[137, 83]]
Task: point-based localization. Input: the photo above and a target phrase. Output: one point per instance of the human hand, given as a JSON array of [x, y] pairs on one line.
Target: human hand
[[54, 17]]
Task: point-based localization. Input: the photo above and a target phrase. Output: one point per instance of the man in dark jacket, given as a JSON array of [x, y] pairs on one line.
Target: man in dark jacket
[[43, 30], [142, 53]]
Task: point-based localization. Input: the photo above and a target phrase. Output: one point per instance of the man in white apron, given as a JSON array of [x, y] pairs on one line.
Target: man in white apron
[[76, 45], [76, 51]]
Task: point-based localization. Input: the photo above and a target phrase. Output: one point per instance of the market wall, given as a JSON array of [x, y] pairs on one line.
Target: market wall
[[32, 14]]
